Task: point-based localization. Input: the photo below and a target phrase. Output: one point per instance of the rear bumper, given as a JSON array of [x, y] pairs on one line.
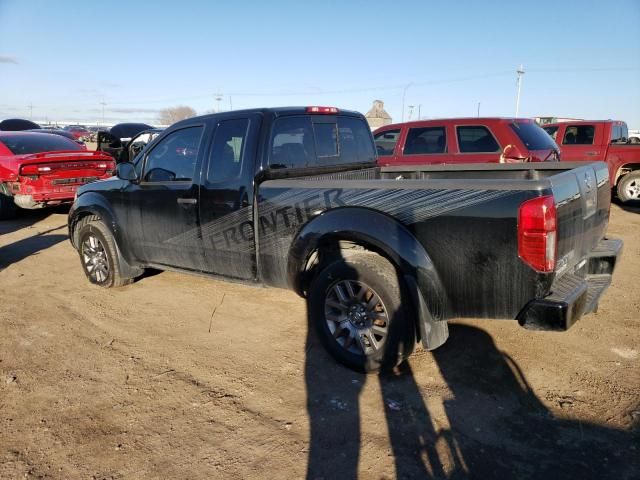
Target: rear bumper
[[40, 200], [574, 294]]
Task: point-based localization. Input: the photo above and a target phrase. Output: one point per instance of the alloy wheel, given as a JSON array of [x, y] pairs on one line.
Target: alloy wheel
[[356, 317], [95, 259]]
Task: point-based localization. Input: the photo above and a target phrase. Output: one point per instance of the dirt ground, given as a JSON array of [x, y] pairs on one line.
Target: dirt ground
[[178, 376]]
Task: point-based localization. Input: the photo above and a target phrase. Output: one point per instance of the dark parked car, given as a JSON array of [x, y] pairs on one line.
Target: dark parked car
[[17, 125], [117, 138], [293, 198]]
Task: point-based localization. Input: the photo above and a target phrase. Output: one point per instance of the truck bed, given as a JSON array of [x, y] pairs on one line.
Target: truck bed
[[464, 216]]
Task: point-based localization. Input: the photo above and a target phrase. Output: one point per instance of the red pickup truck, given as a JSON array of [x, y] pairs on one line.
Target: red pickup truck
[[604, 140], [464, 140], [41, 169]]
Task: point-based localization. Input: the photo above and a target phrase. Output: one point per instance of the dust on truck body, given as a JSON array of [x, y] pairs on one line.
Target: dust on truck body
[[293, 198]]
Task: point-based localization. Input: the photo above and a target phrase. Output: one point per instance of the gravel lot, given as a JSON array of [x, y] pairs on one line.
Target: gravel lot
[[178, 376]]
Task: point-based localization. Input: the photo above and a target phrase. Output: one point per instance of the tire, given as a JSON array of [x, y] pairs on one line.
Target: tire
[[343, 299], [98, 253], [8, 208], [628, 188]]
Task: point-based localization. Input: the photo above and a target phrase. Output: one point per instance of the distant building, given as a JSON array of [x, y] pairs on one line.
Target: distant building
[[377, 116]]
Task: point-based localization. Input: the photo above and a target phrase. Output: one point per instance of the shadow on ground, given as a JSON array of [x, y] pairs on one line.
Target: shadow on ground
[[495, 426], [632, 206], [24, 219], [21, 249]]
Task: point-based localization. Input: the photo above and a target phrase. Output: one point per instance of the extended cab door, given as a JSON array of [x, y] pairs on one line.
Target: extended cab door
[[226, 197], [581, 142], [167, 199]]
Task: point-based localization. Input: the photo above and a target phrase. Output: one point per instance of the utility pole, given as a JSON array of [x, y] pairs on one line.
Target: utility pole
[[404, 94], [520, 73], [230, 104], [411, 107], [31, 111], [478, 113], [419, 110], [218, 98], [103, 103]]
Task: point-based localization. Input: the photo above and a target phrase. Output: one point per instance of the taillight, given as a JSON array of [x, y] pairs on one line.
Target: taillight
[[537, 233], [44, 168], [326, 110]]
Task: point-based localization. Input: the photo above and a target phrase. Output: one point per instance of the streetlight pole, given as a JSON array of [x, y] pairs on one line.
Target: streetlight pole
[[103, 103], [404, 94], [520, 73]]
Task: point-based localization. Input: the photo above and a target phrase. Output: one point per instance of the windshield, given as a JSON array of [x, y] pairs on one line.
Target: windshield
[[38, 142], [533, 137]]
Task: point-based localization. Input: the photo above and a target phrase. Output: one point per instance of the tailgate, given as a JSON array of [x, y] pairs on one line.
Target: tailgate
[[583, 198]]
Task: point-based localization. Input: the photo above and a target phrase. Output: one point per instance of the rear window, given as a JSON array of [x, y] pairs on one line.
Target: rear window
[[299, 141], [551, 131], [386, 141], [476, 139], [38, 142], [428, 140], [579, 135], [619, 133], [533, 137]]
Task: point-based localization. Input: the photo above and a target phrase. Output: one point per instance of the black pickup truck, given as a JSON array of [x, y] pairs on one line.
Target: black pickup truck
[[293, 198]]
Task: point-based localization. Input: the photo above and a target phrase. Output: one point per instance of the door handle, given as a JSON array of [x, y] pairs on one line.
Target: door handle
[[187, 201]]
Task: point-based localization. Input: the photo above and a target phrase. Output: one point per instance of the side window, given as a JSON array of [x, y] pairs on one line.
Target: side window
[[476, 139], [428, 140], [552, 131], [227, 152], [355, 141], [292, 143], [386, 141], [579, 135], [174, 158]]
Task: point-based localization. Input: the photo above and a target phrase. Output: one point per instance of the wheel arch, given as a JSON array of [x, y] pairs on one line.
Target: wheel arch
[[624, 170], [88, 207], [362, 228]]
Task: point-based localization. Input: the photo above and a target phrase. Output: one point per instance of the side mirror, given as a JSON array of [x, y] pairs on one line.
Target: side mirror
[[126, 171]]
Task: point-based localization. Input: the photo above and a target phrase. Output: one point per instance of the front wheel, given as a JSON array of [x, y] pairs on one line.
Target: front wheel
[[629, 187], [99, 254], [356, 305]]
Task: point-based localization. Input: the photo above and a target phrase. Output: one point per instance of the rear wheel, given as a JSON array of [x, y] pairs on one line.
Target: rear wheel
[[98, 253], [629, 187], [356, 305], [8, 207]]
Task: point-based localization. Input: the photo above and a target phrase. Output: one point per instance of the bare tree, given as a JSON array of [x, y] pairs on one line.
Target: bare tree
[[168, 116]]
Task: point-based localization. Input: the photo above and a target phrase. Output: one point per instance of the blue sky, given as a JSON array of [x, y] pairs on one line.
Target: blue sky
[[582, 59]]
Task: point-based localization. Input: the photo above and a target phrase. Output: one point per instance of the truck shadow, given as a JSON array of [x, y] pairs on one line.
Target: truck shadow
[[21, 249], [24, 219], [632, 206], [491, 425]]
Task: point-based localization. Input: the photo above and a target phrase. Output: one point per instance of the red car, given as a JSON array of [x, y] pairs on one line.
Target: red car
[[464, 140], [607, 141], [77, 131], [40, 169]]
